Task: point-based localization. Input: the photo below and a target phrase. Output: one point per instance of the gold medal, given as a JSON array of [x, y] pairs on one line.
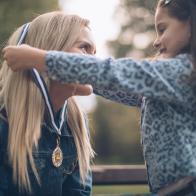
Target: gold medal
[[57, 155]]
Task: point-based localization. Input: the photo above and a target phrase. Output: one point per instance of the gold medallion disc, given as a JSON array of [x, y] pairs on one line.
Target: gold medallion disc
[[57, 157]]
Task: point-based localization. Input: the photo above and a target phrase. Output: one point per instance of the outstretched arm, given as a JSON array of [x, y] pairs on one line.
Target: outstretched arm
[[165, 79], [26, 57], [161, 79]]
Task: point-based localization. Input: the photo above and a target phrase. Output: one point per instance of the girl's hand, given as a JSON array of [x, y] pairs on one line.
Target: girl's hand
[[24, 57]]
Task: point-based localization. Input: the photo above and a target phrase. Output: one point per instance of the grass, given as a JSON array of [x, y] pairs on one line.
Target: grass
[[120, 189]]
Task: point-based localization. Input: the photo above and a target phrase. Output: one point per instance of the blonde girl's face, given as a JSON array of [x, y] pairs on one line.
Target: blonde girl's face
[[173, 35], [84, 45]]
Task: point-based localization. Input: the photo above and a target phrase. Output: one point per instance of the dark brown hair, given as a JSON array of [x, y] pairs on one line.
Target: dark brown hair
[[183, 10]]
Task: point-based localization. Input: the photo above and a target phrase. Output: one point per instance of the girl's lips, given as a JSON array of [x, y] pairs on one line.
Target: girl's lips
[[163, 50]]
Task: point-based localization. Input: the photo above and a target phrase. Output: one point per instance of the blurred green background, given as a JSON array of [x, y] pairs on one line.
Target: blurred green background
[[114, 127], [117, 135]]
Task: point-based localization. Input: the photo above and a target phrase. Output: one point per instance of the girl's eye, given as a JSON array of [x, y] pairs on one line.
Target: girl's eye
[[85, 48], [161, 30]]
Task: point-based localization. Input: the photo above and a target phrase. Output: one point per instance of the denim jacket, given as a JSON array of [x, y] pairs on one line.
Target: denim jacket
[[64, 180], [167, 98]]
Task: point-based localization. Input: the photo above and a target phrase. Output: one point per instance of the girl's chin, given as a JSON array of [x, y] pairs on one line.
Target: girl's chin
[[167, 55]]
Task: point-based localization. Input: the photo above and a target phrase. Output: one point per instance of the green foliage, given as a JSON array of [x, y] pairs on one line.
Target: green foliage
[[116, 137], [136, 18], [17, 12], [126, 190]]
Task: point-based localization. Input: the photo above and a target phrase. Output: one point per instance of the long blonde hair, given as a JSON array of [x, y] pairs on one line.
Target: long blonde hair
[[24, 104]]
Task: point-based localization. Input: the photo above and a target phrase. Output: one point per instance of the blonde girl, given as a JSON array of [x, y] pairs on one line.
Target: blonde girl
[[45, 146], [165, 89]]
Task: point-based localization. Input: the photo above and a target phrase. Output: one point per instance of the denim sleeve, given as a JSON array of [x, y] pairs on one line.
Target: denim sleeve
[[125, 79], [2, 193], [3, 145], [73, 187]]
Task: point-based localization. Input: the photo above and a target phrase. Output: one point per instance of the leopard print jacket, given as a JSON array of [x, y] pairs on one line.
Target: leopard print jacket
[[163, 91]]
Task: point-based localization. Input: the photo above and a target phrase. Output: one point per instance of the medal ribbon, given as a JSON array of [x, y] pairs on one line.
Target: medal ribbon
[[43, 88]]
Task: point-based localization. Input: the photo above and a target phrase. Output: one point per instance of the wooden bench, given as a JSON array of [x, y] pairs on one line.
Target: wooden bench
[[119, 174]]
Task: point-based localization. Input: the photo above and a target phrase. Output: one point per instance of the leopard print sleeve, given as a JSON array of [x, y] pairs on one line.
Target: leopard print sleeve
[[95, 76], [125, 80]]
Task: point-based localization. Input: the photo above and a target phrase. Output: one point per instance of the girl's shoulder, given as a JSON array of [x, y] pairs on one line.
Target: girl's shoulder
[[185, 60], [181, 63], [184, 56]]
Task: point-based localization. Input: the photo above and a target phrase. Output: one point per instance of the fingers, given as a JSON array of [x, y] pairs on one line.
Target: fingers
[[7, 56], [83, 90], [6, 49], [90, 88], [4, 53]]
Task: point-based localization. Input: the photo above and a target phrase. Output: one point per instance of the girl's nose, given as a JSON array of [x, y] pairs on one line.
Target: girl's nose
[[156, 43]]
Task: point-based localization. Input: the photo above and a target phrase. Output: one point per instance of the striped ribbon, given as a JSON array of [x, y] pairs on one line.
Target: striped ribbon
[[43, 88]]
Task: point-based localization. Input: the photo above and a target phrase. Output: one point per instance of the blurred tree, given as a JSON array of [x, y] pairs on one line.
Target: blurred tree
[[136, 18], [117, 138], [17, 12]]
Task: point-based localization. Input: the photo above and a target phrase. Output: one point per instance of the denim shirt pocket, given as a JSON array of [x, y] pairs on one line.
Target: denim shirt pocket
[[40, 160], [43, 155], [69, 164], [69, 150]]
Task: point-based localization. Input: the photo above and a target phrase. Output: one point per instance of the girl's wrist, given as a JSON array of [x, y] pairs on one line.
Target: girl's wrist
[[40, 57]]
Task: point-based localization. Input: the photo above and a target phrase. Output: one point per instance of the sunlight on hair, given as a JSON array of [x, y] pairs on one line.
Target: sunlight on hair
[[103, 26]]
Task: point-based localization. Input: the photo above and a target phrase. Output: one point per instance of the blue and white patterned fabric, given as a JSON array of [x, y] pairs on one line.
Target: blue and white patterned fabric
[[167, 98]]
